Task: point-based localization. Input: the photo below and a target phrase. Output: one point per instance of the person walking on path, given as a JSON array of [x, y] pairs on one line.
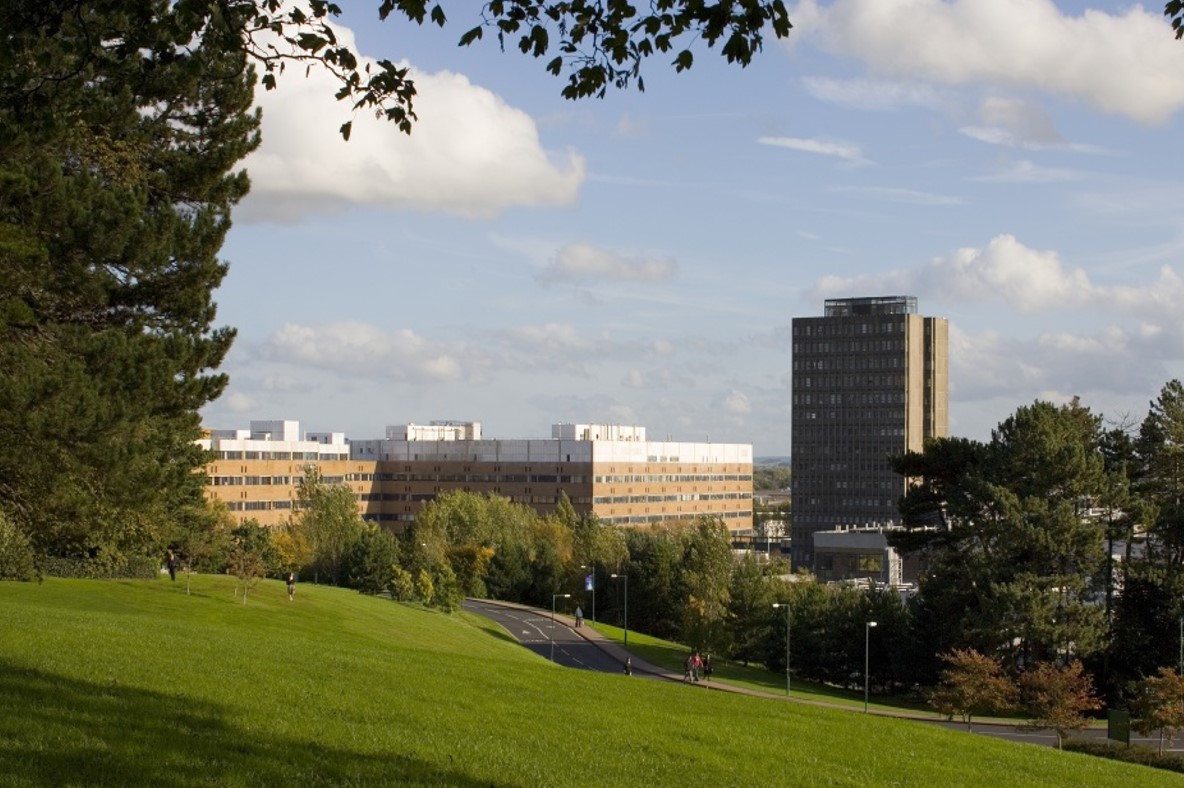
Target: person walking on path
[[579, 617], [707, 668], [628, 666], [686, 673], [696, 666], [291, 585]]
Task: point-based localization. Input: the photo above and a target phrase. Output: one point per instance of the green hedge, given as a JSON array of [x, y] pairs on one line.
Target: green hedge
[[137, 567], [1145, 756]]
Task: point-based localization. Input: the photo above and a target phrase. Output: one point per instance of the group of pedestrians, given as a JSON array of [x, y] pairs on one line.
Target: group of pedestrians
[[697, 667]]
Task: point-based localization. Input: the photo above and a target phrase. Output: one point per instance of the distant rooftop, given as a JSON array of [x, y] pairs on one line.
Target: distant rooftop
[[874, 305]]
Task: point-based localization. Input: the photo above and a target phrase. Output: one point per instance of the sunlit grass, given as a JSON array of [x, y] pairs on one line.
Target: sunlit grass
[[138, 683]]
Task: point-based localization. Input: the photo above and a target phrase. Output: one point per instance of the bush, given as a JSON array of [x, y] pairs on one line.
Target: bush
[[1144, 756], [124, 567], [16, 553]]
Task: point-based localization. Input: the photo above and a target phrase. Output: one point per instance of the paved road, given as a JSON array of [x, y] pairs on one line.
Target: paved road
[[551, 639], [587, 649]]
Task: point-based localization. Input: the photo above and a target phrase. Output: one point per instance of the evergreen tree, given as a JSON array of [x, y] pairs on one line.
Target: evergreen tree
[[120, 127], [1012, 565]]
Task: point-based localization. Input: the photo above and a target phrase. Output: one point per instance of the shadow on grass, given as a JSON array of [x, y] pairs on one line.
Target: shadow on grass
[[58, 731]]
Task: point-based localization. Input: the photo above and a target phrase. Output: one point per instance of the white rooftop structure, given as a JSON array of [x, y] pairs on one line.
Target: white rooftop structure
[[462, 441], [276, 440]]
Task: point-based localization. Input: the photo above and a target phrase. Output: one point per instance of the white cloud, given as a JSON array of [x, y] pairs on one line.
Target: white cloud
[[1014, 123], [1125, 63], [1108, 363], [736, 403], [1027, 280], [1028, 172], [552, 339], [237, 402], [872, 94], [585, 262], [843, 150], [907, 196], [365, 350], [469, 154]]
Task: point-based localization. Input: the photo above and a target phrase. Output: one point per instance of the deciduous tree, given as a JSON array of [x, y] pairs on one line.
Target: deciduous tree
[[250, 556], [972, 683], [1158, 704], [328, 520], [1057, 698]]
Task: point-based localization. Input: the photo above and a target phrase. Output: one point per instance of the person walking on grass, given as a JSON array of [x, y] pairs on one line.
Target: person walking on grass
[[172, 564], [291, 586]]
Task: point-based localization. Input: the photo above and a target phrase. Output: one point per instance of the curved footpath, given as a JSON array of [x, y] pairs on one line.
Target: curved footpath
[[999, 728]]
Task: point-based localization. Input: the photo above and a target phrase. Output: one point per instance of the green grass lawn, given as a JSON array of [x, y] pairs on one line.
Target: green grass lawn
[[137, 683]]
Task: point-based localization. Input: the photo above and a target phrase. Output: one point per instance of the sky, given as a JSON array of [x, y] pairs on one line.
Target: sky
[[522, 260]]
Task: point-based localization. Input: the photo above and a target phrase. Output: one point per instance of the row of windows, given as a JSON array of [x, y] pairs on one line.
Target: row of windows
[[851, 398], [848, 363], [858, 383], [841, 421], [634, 499], [863, 562], [257, 506], [863, 346], [643, 519], [846, 328], [659, 478], [279, 455]]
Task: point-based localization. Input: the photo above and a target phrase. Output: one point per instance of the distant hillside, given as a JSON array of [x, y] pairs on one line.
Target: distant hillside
[[775, 462]]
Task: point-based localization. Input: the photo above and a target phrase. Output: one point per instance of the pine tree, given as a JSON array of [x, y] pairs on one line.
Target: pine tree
[[120, 127]]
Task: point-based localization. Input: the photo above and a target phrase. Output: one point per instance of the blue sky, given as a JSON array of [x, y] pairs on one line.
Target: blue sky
[[522, 260]]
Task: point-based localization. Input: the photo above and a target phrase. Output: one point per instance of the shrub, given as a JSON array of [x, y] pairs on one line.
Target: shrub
[[1144, 756], [16, 553], [111, 568]]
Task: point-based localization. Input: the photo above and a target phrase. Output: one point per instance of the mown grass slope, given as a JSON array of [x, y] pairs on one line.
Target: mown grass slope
[[139, 683]]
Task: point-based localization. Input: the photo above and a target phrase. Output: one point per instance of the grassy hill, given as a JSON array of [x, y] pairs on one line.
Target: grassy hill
[[137, 683]]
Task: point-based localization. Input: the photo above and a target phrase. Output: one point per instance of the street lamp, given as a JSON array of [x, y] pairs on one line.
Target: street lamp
[[626, 579], [867, 637], [593, 570], [788, 612], [552, 633]]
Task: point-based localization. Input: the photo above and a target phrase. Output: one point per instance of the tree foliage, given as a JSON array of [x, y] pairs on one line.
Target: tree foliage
[[329, 523], [120, 127], [1013, 556], [1057, 698], [596, 45], [972, 683], [251, 555], [1158, 704], [16, 553]]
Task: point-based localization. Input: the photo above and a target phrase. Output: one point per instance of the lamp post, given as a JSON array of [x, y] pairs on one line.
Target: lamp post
[[867, 637], [788, 612], [552, 633], [626, 579], [592, 568]]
